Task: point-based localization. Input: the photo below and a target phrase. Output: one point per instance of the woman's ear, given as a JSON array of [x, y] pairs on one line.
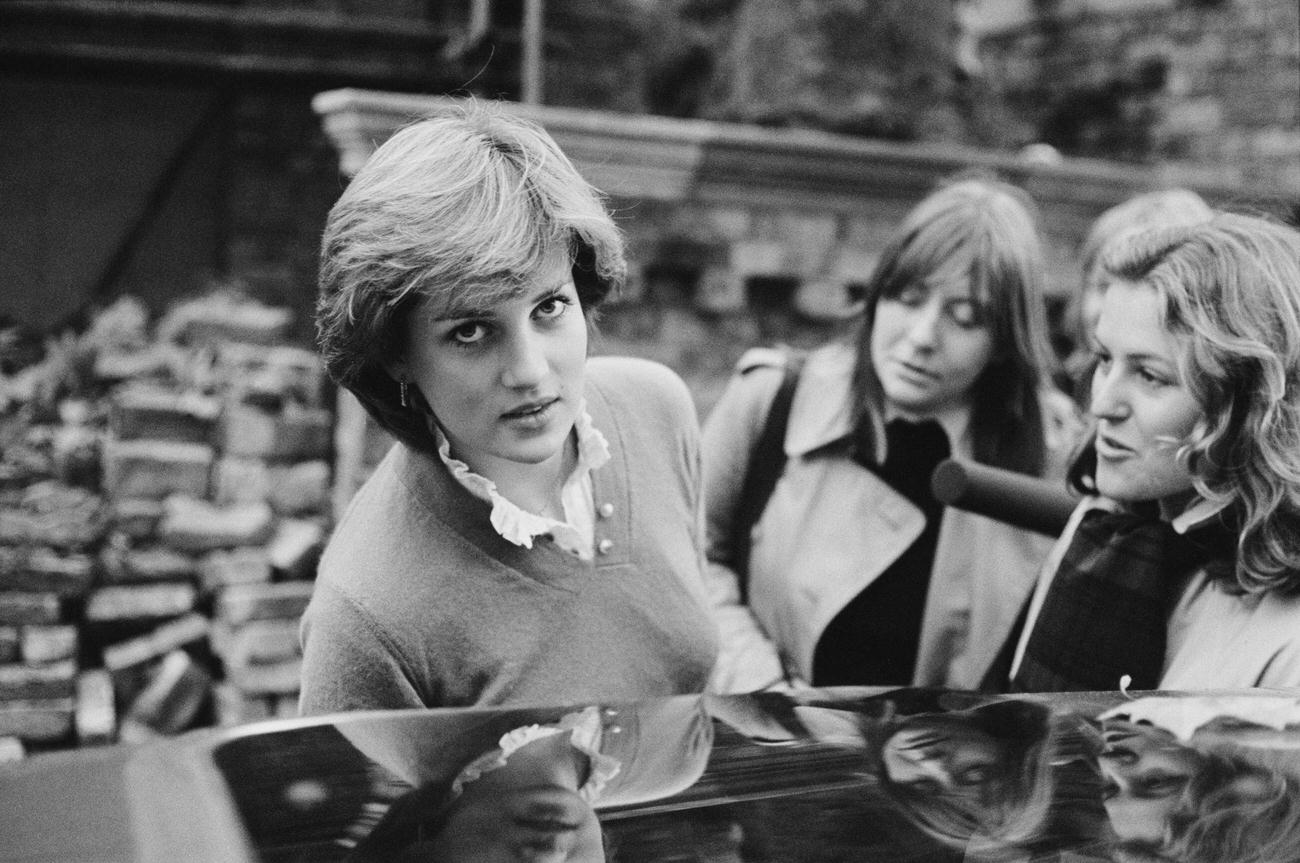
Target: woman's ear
[[396, 369]]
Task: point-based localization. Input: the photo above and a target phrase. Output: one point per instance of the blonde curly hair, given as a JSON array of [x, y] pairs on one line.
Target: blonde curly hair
[[1231, 287]]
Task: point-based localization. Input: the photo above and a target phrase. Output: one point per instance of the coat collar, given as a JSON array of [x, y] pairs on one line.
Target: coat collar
[[822, 413], [1198, 512]]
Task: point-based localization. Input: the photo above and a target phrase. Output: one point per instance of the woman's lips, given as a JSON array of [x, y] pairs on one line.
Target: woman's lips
[[1110, 448], [531, 412], [547, 825], [915, 372], [1118, 755], [1117, 735]]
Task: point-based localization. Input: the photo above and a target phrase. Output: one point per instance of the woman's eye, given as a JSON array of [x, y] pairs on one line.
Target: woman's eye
[[1152, 377], [965, 314], [1165, 786], [925, 786], [468, 333], [552, 307], [911, 295], [975, 775]]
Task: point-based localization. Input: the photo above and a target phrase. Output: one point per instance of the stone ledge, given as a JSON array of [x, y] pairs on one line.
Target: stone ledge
[[676, 160]]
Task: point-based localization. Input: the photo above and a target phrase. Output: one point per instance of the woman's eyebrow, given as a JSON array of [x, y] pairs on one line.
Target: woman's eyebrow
[[457, 311], [548, 290], [1098, 346], [460, 312], [1145, 357]]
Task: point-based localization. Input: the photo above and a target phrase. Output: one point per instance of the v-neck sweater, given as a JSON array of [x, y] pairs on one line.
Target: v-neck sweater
[[420, 603]]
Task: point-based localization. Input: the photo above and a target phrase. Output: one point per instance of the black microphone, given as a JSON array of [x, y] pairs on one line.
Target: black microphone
[[1023, 501]]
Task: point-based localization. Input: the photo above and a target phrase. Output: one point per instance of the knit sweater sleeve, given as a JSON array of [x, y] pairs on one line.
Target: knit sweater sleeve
[[348, 663]]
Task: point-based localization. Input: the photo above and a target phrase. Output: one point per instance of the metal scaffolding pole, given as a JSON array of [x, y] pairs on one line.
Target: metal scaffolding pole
[[532, 72]]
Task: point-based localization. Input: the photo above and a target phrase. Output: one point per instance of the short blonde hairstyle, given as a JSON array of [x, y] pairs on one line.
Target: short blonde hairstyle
[[1231, 286], [462, 206]]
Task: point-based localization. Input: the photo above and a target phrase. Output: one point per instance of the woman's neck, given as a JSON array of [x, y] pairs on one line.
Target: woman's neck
[[953, 419], [1176, 504], [537, 487], [550, 761]]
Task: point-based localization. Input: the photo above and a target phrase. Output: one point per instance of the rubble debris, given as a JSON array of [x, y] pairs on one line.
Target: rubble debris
[[157, 643], [95, 719], [165, 492], [170, 702]]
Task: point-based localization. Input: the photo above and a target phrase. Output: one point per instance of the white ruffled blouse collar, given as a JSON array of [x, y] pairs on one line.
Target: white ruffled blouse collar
[[517, 525], [585, 731]]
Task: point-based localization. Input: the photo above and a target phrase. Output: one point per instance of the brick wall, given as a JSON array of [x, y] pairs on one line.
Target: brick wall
[[1214, 82]]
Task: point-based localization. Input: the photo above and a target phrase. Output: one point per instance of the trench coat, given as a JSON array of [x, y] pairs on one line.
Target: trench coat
[[832, 527]]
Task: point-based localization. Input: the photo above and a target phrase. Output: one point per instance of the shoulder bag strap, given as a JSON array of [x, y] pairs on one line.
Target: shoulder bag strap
[[766, 462]]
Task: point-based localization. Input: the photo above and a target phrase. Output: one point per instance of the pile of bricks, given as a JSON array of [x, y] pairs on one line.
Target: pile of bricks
[[164, 496]]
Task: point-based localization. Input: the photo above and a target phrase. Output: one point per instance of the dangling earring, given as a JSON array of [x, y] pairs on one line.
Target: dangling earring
[[401, 388]]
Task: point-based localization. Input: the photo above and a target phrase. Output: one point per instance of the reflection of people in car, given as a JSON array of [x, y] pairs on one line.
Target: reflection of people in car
[[971, 773], [982, 773], [522, 784], [1145, 773], [537, 806], [1170, 801], [529, 798], [938, 755]]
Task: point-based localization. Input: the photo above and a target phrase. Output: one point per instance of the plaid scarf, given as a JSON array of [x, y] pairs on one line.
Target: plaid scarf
[[1106, 612]]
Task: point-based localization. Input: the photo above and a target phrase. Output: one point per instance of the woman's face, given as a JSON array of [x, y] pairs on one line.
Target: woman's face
[[539, 824], [528, 809], [504, 380], [1143, 408], [946, 756], [1144, 773], [930, 344]]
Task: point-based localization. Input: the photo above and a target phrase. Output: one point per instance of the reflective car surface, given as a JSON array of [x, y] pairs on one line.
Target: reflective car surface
[[817, 775]]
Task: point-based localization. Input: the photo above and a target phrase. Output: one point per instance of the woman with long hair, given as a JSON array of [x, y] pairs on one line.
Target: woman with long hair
[[1180, 569], [851, 572]]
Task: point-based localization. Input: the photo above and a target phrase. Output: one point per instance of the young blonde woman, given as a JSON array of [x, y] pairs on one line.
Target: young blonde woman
[[1161, 208], [532, 536], [853, 573], [1181, 567]]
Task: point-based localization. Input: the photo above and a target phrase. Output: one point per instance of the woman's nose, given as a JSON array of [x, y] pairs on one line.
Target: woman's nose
[[939, 771], [923, 329], [525, 362], [1117, 759], [1108, 399]]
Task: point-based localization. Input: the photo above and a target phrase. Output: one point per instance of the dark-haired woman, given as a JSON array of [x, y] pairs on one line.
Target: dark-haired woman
[[855, 573]]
